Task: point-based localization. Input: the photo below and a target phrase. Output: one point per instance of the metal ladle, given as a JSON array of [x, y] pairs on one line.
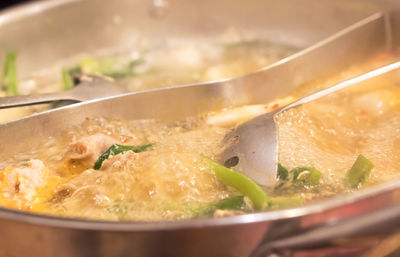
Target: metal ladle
[[253, 146]]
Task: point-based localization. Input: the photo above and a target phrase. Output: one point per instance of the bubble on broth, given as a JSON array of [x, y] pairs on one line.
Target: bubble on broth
[[172, 180]]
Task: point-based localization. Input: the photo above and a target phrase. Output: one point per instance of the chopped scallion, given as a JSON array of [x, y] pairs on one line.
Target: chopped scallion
[[9, 78], [67, 80], [236, 203], [359, 172], [306, 175], [283, 173], [243, 184]]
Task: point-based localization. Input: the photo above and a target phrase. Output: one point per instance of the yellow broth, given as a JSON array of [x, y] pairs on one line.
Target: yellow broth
[[171, 181]]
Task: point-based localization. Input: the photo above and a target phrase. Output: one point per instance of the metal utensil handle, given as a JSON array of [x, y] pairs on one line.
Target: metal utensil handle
[[23, 100], [339, 234], [342, 85]]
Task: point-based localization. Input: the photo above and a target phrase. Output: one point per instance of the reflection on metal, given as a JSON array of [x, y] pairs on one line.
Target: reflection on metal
[[159, 8], [24, 234], [90, 88]]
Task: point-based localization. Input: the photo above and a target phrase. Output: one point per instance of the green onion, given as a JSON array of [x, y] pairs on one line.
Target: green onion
[[68, 76], [110, 67], [115, 69], [75, 71], [236, 203], [306, 175], [10, 74], [243, 184], [67, 80], [118, 149], [359, 172], [283, 173]]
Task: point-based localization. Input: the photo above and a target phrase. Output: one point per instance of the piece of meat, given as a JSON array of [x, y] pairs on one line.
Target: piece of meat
[[90, 177], [86, 150], [122, 161], [20, 184]]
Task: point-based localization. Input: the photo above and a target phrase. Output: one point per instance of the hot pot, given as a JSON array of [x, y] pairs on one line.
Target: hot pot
[[331, 36]]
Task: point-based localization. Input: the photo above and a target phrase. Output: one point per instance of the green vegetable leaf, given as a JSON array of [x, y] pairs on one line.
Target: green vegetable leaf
[[110, 67], [232, 203], [9, 78], [243, 184], [359, 172], [118, 149]]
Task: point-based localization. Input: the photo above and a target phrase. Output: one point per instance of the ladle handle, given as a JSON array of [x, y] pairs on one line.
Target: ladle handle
[[23, 100], [344, 84]]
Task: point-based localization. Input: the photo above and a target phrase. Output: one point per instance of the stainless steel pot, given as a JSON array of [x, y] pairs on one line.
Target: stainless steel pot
[[49, 31], [334, 36]]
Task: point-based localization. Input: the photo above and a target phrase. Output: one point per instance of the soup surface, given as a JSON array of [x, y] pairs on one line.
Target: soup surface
[[151, 170], [148, 66]]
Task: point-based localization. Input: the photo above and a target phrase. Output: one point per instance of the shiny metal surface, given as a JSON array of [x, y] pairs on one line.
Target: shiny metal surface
[[60, 23], [254, 144], [49, 31], [236, 236], [392, 7], [89, 88]]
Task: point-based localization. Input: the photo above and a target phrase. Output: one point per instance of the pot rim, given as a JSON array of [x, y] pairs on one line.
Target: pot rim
[[21, 11], [29, 9], [134, 226]]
